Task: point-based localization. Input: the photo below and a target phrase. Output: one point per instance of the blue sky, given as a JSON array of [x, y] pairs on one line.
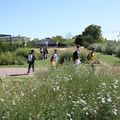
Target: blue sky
[[47, 18]]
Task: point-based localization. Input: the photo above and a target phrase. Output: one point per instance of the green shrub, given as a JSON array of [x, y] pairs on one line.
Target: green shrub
[[23, 52], [97, 46], [118, 52], [20, 60], [6, 46], [83, 56], [9, 58], [18, 57], [38, 55], [69, 42], [103, 49], [109, 48], [86, 44], [66, 57]]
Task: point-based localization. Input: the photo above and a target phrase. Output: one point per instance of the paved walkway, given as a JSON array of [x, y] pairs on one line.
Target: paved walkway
[[14, 72]]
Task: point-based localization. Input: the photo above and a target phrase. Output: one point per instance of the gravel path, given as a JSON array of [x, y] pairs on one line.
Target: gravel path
[[14, 72]]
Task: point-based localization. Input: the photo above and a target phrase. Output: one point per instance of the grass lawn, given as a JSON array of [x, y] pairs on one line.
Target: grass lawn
[[38, 63], [112, 60]]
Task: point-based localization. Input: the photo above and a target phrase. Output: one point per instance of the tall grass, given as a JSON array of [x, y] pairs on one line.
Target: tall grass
[[109, 48], [63, 93]]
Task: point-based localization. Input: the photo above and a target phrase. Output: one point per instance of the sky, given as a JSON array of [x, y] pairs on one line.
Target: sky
[[47, 18]]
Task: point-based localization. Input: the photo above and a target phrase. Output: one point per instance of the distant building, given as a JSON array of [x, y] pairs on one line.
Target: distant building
[[46, 42], [5, 37]]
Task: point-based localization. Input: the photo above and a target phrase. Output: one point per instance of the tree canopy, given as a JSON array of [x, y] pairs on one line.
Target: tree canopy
[[91, 34], [58, 39]]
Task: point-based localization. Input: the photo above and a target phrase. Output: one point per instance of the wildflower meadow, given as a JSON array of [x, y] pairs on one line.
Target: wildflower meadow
[[61, 93]]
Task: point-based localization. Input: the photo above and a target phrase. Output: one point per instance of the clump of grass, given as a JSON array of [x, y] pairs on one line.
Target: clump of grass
[[65, 57]]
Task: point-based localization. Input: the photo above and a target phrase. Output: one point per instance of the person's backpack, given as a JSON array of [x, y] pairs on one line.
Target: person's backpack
[[33, 58], [89, 56], [75, 55], [29, 57]]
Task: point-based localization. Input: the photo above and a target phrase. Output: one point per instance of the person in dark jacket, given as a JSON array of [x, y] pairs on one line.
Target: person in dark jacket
[[31, 60], [76, 55], [45, 53]]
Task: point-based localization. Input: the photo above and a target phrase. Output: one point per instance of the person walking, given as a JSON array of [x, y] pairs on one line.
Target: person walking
[[91, 56], [92, 59], [45, 53], [54, 58], [31, 60], [76, 56]]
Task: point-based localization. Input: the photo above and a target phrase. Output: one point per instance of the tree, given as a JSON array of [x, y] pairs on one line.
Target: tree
[[69, 42], [92, 34], [79, 40], [36, 40], [59, 39]]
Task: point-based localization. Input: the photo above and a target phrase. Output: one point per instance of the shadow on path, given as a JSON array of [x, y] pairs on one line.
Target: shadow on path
[[18, 74], [14, 72]]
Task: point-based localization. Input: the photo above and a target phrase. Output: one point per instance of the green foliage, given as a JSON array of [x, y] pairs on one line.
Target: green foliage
[[109, 48], [23, 52], [98, 47], [69, 42], [68, 57], [65, 57], [109, 59], [79, 40], [59, 39], [94, 32], [71, 92], [83, 40], [118, 52], [20, 60], [83, 57], [9, 58], [91, 34], [18, 57], [6, 46]]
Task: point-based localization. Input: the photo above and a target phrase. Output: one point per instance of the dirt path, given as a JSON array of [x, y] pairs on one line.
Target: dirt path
[[14, 72]]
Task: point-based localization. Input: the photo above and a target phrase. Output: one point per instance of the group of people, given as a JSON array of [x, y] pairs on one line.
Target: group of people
[[54, 59], [90, 57], [31, 58], [44, 53]]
